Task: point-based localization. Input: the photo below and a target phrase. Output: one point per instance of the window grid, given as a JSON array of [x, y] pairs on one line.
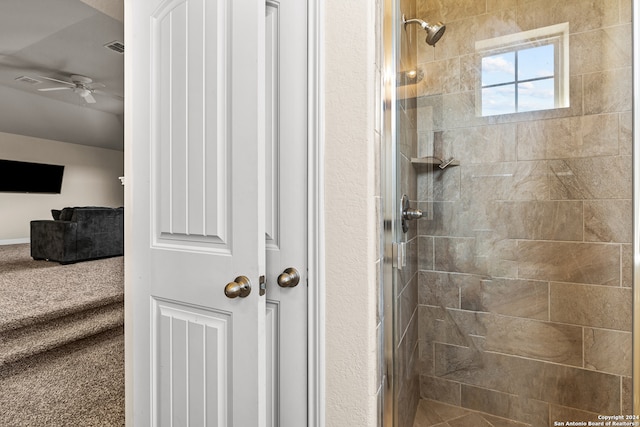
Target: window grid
[[516, 82]]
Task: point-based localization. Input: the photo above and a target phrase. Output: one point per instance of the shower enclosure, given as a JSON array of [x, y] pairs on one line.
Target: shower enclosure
[[507, 298]]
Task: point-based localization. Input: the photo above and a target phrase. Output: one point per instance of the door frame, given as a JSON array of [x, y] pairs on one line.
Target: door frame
[[315, 219]]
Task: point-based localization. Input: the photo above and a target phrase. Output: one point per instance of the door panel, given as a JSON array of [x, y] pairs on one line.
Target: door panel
[[198, 203], [191, 145], [286, 207], [193, 357]]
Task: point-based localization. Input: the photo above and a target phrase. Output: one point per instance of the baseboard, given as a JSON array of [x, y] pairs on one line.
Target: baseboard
[[15, 241]]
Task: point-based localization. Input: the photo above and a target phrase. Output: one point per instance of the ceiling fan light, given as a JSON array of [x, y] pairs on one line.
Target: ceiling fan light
[[82, 92]]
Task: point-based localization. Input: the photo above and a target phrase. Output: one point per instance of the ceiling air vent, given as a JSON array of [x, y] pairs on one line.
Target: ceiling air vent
[[115, 46], [28, 80]]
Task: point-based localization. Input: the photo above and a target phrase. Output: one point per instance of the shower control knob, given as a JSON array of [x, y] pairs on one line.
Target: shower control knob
[[412, 213], [289, 278], [408, 213]]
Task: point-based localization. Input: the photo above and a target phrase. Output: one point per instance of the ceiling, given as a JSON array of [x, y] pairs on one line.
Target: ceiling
[[57, 39]]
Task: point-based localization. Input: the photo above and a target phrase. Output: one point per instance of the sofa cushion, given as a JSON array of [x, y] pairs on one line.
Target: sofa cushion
[[55, 213], [66, 214]]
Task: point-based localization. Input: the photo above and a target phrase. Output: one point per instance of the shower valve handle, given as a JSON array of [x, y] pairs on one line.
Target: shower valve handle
[[408, 213], [411, 213]]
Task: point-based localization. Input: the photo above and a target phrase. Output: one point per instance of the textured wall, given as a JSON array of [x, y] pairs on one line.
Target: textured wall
[[525, 260], [350, 215]]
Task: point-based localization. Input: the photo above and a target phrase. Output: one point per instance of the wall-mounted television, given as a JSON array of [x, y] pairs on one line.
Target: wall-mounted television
[[26, 177]]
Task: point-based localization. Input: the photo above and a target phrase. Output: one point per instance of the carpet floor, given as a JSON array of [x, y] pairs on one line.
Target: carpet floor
[[32, 291], [76, 383], [81, 384]]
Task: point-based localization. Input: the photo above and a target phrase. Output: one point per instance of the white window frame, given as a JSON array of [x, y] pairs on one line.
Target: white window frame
[[558, 35]]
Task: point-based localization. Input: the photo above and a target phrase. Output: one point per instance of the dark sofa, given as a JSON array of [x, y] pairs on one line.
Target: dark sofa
[[79, 234]]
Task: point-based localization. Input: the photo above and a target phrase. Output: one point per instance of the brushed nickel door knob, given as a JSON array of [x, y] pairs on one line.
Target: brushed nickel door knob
[[289, 278], [240, 287]]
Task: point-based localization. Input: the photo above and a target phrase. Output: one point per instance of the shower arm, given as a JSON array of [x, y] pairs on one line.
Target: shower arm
[[422, 23]]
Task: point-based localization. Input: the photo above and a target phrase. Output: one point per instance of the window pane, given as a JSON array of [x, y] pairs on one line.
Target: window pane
[[536, 95], [498, 69], [498, 100], [536, 62]]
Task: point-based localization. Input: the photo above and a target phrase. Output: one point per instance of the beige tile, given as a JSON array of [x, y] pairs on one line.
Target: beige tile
[[538, 220], [452, 10], [407, 401], [505, 181], [626, 12], [407, 305], [592, 263], [608, 351], [582, 15], [608, 91], [627, 266], [482, 144], [534, 339], [493, 5], [530, 411], [430, 108], [442, 289], [435, 184], [590, 178], [458, 254], [472, 419], [557, 384], [598, 306], [455, 327], [453, 219], [584, 136], [608, 221], [625, 133], [425, 253], [601, 49], [425, 357], [470, 67], [627, 396], [459, 110], [440, 77], [439, 389], [425, 416], [431, 413], [522, 298]]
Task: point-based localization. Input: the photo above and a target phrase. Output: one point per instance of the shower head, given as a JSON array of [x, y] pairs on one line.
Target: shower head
[[434, 32]]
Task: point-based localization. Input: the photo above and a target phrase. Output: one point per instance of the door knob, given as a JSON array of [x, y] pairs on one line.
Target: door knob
[[289, 278], [240, 287]]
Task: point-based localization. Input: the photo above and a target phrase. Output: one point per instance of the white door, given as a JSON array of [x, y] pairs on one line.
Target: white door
[[286, 211], [195, 186]]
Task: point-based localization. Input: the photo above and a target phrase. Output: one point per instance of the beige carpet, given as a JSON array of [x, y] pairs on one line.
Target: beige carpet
[[81, 384], [73, 374], [31, 291]]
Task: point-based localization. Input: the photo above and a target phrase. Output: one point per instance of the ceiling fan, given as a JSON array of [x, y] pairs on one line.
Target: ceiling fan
[[81, 85]]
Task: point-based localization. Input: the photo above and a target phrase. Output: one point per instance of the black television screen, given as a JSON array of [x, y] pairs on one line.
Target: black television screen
[[26, 177]]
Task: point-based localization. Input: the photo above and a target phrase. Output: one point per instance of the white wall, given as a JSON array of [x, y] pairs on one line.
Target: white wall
[[90, 179], [350, 215]]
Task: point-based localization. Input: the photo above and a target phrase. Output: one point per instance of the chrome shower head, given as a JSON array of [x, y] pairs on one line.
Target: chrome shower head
[[434, 32]]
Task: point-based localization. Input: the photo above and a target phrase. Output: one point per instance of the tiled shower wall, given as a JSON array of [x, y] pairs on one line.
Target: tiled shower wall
[[524, 257], [407, 382]]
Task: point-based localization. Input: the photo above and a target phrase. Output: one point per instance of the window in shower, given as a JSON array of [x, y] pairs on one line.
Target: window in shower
[[527, 71]]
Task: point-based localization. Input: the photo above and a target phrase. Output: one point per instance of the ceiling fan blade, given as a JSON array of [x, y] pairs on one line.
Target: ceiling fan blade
[[111, 95], [94, 85], [89, 98], [49, 89], [58, 81]]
